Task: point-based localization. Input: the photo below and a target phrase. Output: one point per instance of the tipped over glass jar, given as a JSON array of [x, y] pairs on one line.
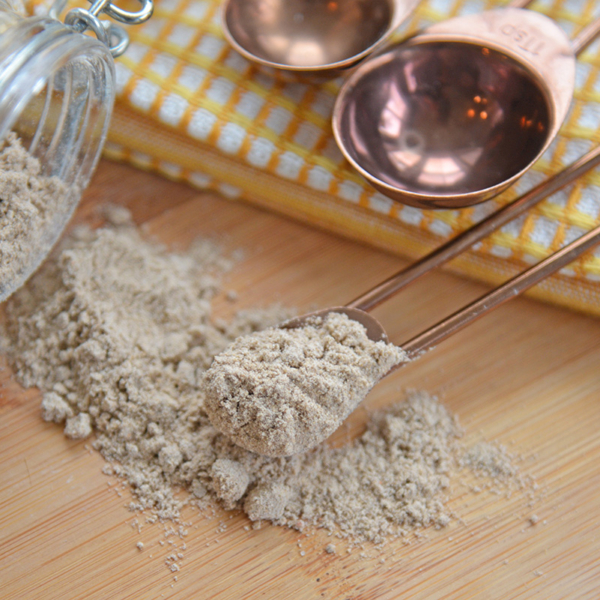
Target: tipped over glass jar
[[57, 89]]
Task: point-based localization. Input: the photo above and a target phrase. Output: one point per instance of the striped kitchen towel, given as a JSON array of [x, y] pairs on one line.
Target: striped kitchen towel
[[193, 109]]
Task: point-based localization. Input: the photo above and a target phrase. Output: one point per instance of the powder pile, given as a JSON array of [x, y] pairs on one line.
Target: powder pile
[[32, 207], [118, 334], [282, 391], [387, 482]]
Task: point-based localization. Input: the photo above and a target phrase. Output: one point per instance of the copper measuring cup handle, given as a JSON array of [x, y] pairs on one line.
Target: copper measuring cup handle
[[517, 285], [463, 241], [580, 42], [463, 317]]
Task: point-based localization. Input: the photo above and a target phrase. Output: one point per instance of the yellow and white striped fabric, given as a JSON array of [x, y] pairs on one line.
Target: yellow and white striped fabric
[[193, 109]]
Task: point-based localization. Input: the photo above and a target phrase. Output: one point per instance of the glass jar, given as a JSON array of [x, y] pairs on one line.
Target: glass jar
[[57, 89]]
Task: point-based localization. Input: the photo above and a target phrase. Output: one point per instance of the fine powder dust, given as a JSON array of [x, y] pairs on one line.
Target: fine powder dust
[[281, 391], [30, 206], [118, 334]]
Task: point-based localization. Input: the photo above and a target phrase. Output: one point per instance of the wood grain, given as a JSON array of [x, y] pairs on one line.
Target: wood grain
[[527, 375]]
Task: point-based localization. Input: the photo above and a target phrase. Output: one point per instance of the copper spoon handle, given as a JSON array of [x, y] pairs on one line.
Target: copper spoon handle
[[519, 4], [460, 319], [585, 37], [466, 239]]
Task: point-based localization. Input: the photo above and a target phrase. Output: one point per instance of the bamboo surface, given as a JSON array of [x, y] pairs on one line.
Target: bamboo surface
[[527, 376]]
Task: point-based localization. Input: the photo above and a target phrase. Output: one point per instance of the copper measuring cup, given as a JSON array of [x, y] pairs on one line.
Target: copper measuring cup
[[456, 114], [315, 37]]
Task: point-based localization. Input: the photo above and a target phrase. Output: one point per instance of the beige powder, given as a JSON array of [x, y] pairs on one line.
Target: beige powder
[[491, 460], [118, 334], [282, 391], [32, 207]]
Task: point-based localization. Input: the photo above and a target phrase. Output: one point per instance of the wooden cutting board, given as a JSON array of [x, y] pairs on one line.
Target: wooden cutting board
[[527, 375]]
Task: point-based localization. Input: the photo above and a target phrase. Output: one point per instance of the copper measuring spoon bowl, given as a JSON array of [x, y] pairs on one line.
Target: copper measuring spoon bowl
[[456, 114], [314, 37]]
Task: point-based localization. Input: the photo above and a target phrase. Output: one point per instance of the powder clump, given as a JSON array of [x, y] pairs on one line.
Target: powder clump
[[230, 480], [390, 480], [267, 501], [54, 408], [281, 391], [79, 427]]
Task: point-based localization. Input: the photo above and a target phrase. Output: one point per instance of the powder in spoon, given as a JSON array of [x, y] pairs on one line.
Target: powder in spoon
[[281, 391]]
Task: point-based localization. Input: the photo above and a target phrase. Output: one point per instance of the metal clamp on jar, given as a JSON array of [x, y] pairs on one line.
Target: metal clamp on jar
[[57, 89]]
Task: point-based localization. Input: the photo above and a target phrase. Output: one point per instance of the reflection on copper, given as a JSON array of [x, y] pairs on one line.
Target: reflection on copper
[[307, 51], [497, 116], [356, 135], [528, 123], [404, 160], [409, 77], [483, 114], [389, 124], [470, 157], [445, 171], [393, 114], [471, 113], [407, 152]]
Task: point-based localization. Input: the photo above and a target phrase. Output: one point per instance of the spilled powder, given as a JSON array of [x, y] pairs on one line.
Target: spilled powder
[[282, 391], [491, 460], [31, 209], [118, 333], [496, 469]]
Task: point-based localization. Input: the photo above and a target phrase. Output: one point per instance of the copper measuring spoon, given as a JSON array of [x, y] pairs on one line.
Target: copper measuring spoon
[[456, 114], [222, 407], [311, 36], [358, 308]]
